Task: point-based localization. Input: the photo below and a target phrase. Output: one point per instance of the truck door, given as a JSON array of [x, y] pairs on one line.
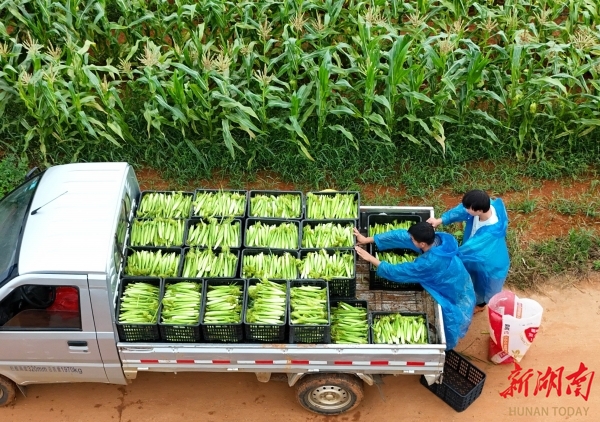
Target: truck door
[[47, 330]]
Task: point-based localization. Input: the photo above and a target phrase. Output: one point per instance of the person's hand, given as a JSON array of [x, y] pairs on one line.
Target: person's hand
[[366, 256], [434, 221], [360, 239]]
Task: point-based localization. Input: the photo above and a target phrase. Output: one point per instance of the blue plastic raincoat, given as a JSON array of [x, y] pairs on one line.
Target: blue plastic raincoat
[[485, 255], [440, 272]]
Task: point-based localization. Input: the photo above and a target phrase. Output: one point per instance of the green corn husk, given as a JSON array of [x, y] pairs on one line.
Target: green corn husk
[[267, 303], [334, 206], [276, 206], [152, 264], [394, 258], [165, 205], [204, 263], [328, 235], [308, 305], [379, 228], [223, 304], [276, 236], [349, 324], [222, 203], [181, 303], [265, 265], [139, 304], [214, 233], [157, 232], [399, 329], [322, 265]]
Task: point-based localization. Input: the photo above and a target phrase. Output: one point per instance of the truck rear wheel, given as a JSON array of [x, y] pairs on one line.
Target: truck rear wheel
[[8, 391], [329, 394]]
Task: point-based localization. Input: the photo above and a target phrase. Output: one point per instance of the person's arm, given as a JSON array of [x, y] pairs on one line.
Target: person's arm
[[360, 239], [434, 221], [409, 272], [395, 239], [456, 214], [367, 256], [417, 271]]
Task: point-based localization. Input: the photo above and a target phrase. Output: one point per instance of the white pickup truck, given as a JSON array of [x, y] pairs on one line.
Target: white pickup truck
[[67, 227]]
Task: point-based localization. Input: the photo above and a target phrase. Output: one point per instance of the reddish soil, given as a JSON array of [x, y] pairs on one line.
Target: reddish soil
[[532, 226], [150, 179], [552, 224]]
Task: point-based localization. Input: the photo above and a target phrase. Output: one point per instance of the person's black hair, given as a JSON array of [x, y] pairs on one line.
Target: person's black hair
[[422, 232], [477, 200]]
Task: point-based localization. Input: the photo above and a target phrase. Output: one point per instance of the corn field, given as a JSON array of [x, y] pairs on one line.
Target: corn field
[[80, 74]]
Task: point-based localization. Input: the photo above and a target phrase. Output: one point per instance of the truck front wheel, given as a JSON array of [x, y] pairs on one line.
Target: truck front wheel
[[329, 394], [8, 391]]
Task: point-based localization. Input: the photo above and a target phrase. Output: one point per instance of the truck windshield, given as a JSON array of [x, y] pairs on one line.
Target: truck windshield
[[13, 214]]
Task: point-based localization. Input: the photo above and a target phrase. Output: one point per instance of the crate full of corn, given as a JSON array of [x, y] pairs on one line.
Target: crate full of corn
[[219, 203], [276, 204], [179, 317]]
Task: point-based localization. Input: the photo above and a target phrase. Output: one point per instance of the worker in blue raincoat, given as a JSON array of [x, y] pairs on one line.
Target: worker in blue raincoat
[[438, 269], [483, 251]]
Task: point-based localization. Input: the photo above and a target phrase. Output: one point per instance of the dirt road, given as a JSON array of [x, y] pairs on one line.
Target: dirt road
[[569, 335]]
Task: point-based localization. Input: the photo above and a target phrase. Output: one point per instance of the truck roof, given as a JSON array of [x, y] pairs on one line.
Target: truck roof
[[74, 233]]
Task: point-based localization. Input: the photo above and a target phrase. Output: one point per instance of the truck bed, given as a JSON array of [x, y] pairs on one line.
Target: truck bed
[[425, 359]]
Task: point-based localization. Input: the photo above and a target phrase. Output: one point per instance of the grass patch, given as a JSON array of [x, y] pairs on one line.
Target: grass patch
[[587, 204], [558, 166], [526, 205], [500, 178], [12, 172], [576, 253]]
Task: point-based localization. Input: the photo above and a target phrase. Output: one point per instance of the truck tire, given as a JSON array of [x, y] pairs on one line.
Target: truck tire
[[8, 391], [329, 394]]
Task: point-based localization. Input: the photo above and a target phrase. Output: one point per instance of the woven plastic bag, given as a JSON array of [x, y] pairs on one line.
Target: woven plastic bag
[[514, 323]]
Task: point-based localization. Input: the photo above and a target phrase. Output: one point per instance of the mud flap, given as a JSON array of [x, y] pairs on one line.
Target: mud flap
[[378, 381], [22, 389]]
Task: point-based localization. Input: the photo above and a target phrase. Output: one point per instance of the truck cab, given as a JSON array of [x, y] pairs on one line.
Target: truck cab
[[62, 235]]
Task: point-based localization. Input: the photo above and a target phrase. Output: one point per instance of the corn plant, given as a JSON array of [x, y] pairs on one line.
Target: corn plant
[[250, 75], [64, 98]]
